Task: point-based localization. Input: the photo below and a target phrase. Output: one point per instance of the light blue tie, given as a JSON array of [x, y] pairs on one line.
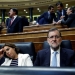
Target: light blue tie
[[54, 60]]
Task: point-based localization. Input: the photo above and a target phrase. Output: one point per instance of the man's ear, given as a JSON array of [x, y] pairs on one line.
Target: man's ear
[[61, 39]]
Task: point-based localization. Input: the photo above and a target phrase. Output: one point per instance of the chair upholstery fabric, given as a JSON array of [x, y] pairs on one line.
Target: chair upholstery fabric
[[64, 44]]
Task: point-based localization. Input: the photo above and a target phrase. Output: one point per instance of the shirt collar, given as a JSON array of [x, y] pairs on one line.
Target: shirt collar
[[52, 51], [48, 12], [61, 10], [15, 16]]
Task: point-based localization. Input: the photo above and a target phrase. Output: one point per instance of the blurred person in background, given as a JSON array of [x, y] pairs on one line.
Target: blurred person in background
[[25, 21], [70, 22], [47, 17], [61, 12], [14, 22]]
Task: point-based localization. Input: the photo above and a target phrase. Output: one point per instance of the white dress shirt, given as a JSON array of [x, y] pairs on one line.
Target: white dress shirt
[[48, 14], [57, 56], [14, 17], [62, 13]]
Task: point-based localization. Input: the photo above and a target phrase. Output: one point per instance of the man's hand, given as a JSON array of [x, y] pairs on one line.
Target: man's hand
[[54, 23], [59, 22], [62, 17]]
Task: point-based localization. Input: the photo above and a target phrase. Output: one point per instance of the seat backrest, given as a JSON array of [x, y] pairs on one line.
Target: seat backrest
[[64, 44], [26, 47]]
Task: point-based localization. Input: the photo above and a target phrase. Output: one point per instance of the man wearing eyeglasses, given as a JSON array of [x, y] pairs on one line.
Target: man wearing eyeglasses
[[55, 56]]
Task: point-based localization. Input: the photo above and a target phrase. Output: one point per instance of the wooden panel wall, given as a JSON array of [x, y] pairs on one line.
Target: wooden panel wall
[[37, 37]]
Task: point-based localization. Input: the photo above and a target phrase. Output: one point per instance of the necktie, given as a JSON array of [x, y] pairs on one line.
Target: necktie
[[12, 19], [54, 60]]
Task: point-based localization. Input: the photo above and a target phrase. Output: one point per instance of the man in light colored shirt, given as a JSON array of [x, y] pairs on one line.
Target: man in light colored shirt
[[55, 56]]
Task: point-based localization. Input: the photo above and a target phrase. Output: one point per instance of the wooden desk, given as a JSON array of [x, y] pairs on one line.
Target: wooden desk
[[64, 31], [37, 37], [35, 28], [41, 27]]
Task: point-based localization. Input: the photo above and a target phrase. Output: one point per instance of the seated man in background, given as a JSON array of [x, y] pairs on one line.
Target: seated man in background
[[47, 17], [55, 56], [10, 56], [14, 22], [70, 22], [61, 12], [25, 21]]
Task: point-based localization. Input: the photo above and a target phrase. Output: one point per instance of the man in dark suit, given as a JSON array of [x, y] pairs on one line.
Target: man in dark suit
[[61, 12], [25, 21], [47, 17], [14, 23], [55, 56], [70, 22]]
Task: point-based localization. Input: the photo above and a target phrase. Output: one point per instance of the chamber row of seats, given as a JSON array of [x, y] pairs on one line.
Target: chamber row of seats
[[28, 47]]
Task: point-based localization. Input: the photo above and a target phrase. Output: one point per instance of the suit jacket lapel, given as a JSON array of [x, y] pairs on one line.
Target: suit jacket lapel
[[9, 21], [63, 58], [7, 62], [14, 22], [20, 60], [47, 58]]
